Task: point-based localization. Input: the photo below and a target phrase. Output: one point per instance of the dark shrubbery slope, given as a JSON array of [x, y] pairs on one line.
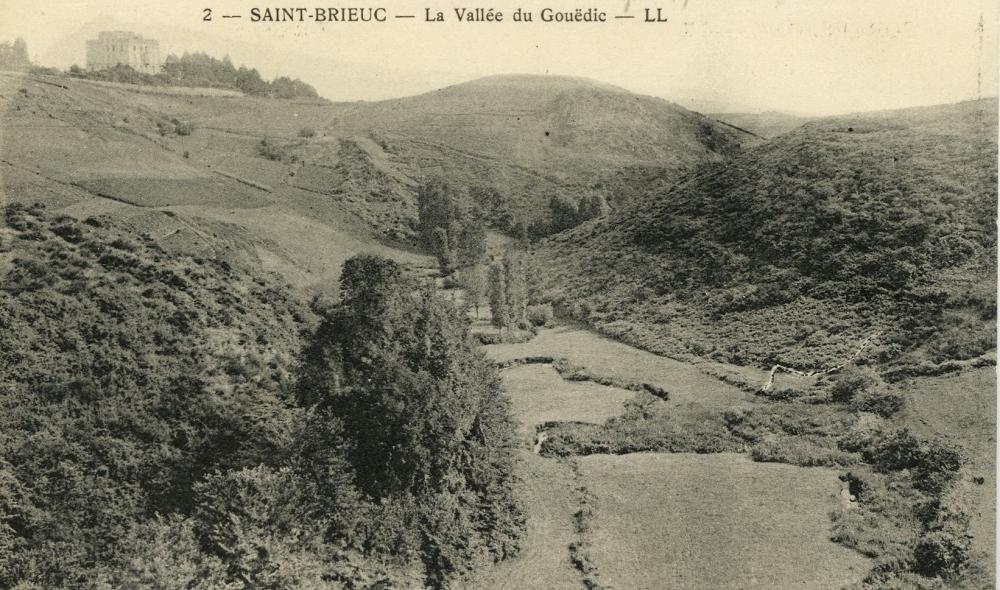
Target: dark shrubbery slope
[[153, 433], [125, 376], [802, 246]]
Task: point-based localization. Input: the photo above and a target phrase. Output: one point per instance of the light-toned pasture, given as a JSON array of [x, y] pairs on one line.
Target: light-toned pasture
[[603, 356], [539, 394], [714, 522]]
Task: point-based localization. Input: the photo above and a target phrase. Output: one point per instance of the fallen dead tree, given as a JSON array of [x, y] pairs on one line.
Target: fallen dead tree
[[774, 370]]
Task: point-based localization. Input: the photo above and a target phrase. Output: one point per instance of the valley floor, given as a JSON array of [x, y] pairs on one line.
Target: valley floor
[[657, 520]]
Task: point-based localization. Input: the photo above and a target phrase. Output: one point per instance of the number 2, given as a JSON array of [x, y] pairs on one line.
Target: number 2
[[208, 14]]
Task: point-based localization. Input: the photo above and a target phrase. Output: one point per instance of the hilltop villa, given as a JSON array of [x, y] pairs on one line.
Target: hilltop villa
[[112, 48]]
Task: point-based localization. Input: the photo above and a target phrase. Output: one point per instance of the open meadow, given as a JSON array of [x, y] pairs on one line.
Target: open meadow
[[665, 520]]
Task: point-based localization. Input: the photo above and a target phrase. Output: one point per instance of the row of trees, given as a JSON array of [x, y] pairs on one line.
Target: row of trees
[[448, 226], [452, 224], [508, 292], [455, 231], [205, 71], [201, 69]]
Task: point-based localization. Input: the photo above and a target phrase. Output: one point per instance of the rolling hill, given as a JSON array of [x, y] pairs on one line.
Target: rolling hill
[[565, 128], [529, 137], [287, 178], [800, 248]]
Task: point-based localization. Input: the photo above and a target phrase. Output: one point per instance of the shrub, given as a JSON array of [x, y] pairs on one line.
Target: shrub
[[183, 127], [540, 315], [851, 381], [882, 404], [783, 395], [942, 552], [508, 337], [270, 151], [800, 450], [933, 464], [307, 132]]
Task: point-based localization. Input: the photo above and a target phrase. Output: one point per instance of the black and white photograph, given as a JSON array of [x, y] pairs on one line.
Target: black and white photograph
[[561, 295]]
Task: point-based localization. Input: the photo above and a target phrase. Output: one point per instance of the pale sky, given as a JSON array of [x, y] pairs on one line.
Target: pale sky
[[802, 56]]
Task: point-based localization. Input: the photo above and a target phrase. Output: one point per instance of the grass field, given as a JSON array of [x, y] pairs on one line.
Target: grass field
[[547, 486], [714, 521], [539, 394], [660, 520], [686, 383]]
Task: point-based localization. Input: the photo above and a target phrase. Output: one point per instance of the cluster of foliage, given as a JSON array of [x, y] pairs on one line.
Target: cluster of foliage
[[271, 150], [433, 439], [903, 518], [558, 212], [837, 225], [565, 213], [507, 288], [449, 227], [204, 71], [175, 127], [153, 432], [14, 56]]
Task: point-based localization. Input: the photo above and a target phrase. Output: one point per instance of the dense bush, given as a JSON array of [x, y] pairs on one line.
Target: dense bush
[[272, 151], [801, 450], [942, 552], [933, 463], [540, 315], [183, 127], [424, 411], [851, 381], [883, 404], [151, 435]]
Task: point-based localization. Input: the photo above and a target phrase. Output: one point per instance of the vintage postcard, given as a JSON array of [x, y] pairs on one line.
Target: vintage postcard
[[617, 294]]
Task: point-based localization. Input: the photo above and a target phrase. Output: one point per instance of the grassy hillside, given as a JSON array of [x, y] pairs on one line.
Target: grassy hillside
[[800, 248], [768, 124], [181, 169], [529, 137], [352, 168], [563, 127]]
